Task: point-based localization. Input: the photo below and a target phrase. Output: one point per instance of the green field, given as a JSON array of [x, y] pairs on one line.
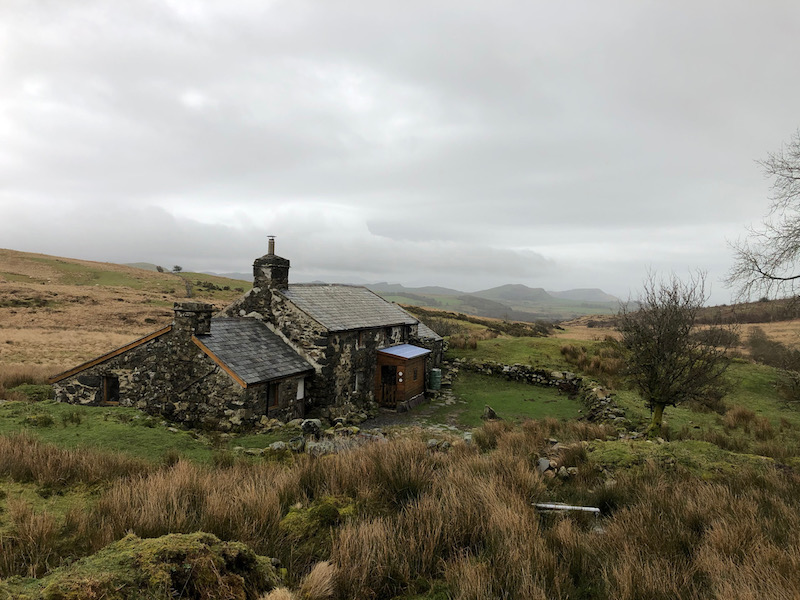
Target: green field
[[511, 400], [118, 429], [538, 352], [79, 274]]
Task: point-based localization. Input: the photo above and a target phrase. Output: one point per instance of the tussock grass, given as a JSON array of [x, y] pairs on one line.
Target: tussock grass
[[31, 544], [739, 416], [27, 460], [13, 375], [397, 519], [603, 361]]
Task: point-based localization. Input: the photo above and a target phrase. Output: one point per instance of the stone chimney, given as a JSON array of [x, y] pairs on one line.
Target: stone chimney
[[271, 271], [192, 318]]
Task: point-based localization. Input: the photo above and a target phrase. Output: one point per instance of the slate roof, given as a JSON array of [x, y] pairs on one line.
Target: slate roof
[[345, 307], [405, 351], [253, 352], [426, 333]]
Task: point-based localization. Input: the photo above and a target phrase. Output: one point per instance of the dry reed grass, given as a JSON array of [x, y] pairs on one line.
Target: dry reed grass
[[605, 364], [464, 519], [13, 375], [738, 416], [25, 459], [464, 341], [30, 544]]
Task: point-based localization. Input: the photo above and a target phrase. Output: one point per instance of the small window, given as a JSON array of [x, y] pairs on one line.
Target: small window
[[110, 389], [273, 395], [361, 339], [415, 374], [358, 382]]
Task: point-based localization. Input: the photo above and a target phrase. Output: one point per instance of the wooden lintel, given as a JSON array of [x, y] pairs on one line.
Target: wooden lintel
[[217, 360], [110, 355]]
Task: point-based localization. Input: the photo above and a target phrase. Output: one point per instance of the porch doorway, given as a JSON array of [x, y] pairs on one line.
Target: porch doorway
[[388, 393]]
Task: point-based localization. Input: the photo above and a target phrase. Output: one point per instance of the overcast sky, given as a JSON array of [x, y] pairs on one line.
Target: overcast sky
[[467, 144]]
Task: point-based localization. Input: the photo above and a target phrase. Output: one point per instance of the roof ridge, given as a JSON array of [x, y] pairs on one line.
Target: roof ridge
[[321, 284]]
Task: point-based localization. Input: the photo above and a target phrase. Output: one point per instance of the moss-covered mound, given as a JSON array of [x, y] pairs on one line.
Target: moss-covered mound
[[189, 566]]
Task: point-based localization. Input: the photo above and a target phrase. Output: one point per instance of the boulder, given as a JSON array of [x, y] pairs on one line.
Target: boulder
[[319, 448], [311, 427], [297, 444], [489, 414]]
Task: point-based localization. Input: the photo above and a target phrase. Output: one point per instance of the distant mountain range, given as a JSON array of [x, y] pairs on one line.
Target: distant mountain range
[[505, 293], [515, 302], [512, 301]]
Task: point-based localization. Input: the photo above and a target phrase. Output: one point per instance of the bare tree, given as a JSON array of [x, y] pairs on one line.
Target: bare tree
[[667, 363], [766, 261]]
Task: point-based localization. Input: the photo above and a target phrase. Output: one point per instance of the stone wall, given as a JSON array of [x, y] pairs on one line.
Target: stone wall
[[435, 358], [352, 353]]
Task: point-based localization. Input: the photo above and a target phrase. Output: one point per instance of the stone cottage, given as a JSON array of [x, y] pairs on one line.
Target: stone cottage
[[344, 331], [278, 351]]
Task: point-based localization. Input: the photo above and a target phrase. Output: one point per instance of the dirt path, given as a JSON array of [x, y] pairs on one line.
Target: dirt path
[[421, 416]]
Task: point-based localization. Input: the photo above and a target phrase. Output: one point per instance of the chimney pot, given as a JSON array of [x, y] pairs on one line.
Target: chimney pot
[[271, 250]]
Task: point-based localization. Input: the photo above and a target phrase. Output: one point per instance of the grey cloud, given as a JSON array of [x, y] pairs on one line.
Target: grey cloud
[[453, 135]]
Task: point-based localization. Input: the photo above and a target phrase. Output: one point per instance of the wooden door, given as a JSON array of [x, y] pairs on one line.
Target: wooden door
[[389, 385]]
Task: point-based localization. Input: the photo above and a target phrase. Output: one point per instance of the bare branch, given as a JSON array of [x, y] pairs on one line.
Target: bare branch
[[768, 261]]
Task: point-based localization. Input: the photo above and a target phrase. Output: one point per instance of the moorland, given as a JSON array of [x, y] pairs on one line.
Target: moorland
[[106, 502]]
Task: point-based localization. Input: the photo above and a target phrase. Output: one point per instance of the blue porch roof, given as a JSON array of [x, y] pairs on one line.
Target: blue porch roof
[[405, 351]]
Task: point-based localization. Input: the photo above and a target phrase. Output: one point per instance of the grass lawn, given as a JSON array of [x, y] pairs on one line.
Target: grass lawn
[[117, 429], [511, 400], [79, 274]]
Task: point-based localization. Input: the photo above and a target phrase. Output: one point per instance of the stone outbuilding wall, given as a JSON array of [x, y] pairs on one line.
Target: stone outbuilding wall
[[170, 376]]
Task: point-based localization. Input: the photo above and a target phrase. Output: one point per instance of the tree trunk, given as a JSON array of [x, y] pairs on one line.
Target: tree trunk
[[655, 425]]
